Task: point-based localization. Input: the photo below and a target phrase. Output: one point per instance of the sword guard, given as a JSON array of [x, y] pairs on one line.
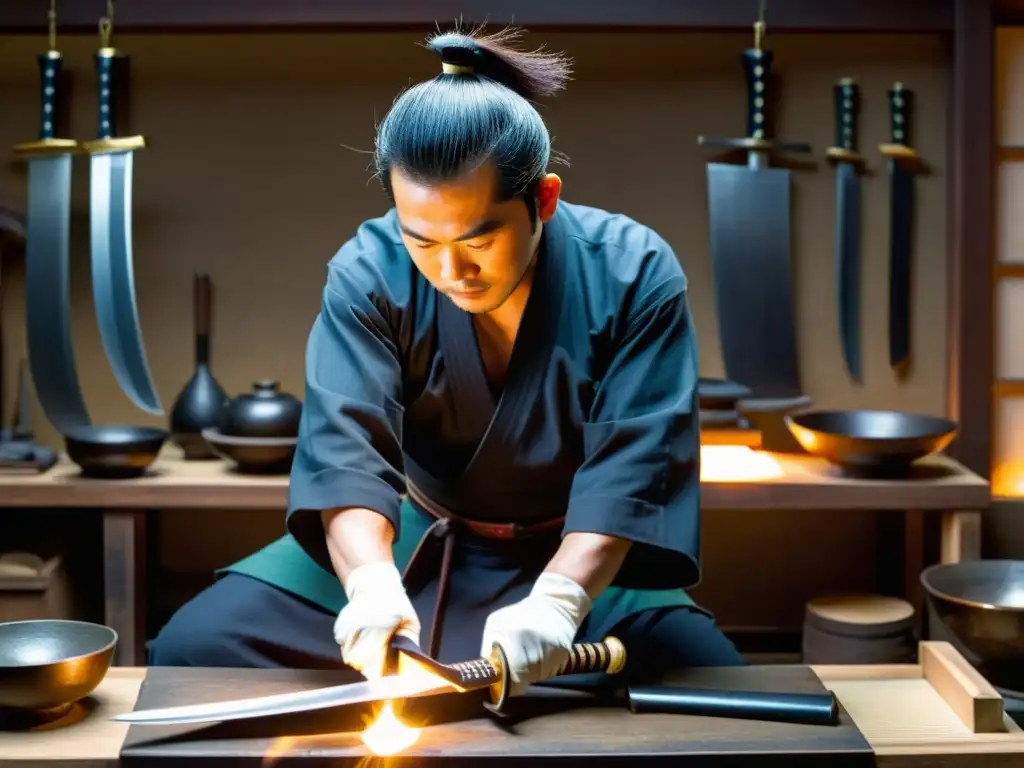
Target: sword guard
[[843, 155], [905, 156], [47, 147], [118, 144], [755, 145]]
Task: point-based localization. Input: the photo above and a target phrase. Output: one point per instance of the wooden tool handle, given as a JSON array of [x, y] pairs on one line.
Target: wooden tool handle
[[607, 656]]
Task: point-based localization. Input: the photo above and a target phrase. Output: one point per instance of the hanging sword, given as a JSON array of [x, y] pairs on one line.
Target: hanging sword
[[848, 222], [901, 210], [113, 280], [51, 354]]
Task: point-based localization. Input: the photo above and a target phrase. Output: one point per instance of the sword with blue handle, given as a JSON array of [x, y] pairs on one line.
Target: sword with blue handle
[[848, 221], [51, 354], [110, 201]]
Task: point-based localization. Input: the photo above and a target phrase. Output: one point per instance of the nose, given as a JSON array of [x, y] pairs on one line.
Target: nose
[[453, 266]]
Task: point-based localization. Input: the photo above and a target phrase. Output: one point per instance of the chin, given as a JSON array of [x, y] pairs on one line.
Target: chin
[[477, 305]]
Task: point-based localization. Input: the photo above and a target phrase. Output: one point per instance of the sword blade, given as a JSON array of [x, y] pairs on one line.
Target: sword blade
[[113, 277], [901, 223], [848, 264], [48, 293], [749, 212], [391, 687]]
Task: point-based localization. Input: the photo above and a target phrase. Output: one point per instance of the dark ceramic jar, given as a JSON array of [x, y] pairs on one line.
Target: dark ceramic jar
[[264, 412]]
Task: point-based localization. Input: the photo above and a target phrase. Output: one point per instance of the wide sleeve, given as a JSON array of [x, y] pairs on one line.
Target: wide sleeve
[[349, 447], [640, 479]]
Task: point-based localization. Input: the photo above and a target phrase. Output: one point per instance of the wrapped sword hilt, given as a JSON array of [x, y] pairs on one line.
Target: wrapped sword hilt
[[608, 656]]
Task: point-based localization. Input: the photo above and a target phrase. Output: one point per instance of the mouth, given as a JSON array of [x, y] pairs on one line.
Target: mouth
[[474, 293]]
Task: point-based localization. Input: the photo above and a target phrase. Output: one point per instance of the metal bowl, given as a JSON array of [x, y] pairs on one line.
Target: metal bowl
[[50, 664], [873, 443], [254, 455], [981, 604], [114, 450]]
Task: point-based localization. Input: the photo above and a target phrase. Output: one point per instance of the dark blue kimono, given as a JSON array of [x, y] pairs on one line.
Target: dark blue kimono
[[597, 422]]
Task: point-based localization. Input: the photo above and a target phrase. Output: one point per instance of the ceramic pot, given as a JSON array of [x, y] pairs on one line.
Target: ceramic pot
[[266, 411]]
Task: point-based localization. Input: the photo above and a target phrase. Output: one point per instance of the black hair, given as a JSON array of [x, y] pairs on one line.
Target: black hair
[[450, 125]]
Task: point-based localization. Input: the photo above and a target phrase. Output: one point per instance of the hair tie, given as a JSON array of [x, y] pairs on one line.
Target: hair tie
[[455, 69]]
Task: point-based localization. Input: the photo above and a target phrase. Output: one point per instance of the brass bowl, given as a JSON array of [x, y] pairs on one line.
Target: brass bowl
[[871, 443], [49, 664], [981, 604]]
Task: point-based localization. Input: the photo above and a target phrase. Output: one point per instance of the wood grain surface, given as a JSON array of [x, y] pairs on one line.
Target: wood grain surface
[[547, 727], [936, 483]]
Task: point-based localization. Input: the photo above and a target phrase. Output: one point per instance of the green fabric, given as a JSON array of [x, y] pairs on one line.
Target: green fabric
[[285, 565]]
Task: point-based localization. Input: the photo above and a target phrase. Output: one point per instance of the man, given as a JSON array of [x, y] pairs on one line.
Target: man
[[500, 437]]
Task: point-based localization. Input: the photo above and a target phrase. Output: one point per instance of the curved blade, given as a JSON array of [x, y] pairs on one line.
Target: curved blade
[[48, 295], [392, 687], [113, 279], [848, 264]]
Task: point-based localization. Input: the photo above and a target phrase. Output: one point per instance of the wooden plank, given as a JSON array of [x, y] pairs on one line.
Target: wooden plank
[[216, 15], [124, 580], [85, 736], [966, 692], [546, 729], [971, 250], [935, 483], [909, 723], [961, 537]]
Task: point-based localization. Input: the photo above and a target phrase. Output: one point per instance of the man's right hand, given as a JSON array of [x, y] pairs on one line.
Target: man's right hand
[[378, 608]]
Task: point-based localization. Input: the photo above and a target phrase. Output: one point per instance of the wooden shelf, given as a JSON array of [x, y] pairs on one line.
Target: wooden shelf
[[806, 482], [921, 16]]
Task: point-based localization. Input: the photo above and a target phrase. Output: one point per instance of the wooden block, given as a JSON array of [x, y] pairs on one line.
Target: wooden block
[[978, 705]]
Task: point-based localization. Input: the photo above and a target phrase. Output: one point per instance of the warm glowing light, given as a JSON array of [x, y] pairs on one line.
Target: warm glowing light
[[388, 735], [1008, 480], [736, 464]]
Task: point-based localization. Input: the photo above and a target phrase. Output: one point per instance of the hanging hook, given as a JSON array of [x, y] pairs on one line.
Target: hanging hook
[[107, 25], [51, 19], [759, 26]]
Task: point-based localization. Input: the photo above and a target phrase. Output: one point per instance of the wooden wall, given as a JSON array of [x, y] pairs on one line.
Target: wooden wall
[[256, 173]]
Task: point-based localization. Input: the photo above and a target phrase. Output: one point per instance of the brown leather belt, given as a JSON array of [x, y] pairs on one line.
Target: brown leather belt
[[501, 531], [445, 526]]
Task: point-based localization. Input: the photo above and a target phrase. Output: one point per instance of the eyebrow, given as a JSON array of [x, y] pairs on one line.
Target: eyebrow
[[483, 228]]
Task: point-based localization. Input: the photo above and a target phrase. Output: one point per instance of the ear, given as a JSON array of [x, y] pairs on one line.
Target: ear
[[548, 191]]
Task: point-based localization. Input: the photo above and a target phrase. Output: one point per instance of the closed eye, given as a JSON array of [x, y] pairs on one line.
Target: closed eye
[[480, 246]]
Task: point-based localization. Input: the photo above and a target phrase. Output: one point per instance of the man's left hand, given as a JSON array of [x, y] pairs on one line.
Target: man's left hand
[[537, 632]]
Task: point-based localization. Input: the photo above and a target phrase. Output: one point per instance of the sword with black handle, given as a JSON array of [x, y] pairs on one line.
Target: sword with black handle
[[848, 164], [491, 673], [749, 218], [51, 354], [110, 213], [901, 157]]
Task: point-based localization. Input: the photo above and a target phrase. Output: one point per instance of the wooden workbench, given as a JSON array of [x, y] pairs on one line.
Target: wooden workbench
[[806, 483], [938, 712]]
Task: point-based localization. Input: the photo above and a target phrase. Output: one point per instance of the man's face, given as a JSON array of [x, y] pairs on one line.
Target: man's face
[[470, 247]]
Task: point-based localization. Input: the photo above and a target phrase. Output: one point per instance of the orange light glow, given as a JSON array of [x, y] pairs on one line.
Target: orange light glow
[[387, 735], [1008, 480], [736, 464]]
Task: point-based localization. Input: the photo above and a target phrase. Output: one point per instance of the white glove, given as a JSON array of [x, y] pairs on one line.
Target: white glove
[[537, 632], [378, 607]]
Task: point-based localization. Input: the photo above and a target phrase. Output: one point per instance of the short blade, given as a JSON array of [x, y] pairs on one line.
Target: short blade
[[392, 687], [901, 224], [48, 293], [750, 248], [848, 264], [113, 277]]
